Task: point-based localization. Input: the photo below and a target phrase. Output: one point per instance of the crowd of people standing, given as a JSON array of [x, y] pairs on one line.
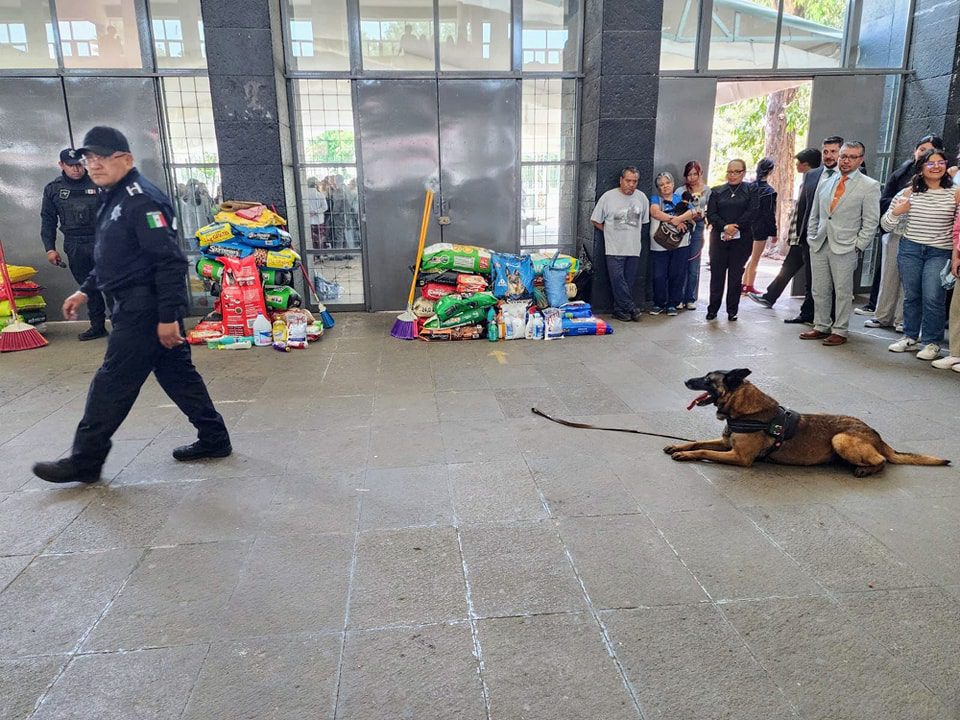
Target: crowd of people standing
[[836, 216]]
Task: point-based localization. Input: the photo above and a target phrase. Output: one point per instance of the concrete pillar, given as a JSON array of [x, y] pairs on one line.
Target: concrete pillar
[[618, 116], [248, 91]]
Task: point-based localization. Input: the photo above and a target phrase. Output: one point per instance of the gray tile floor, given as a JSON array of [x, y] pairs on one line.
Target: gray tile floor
[[397, 537]]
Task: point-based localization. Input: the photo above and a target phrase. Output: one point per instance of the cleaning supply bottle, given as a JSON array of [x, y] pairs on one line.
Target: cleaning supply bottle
[[534, 330], [262, 331], [279, 332]]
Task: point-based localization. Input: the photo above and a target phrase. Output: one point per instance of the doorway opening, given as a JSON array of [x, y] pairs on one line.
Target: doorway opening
[[763, 119]]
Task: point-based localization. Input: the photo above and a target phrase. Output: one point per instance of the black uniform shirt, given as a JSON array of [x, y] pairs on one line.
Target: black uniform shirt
[[72, 203], [137, 245], [733, 205]]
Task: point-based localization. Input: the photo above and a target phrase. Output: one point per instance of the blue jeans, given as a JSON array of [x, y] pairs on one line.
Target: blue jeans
[[923, 295], [669, 270], [622, 270], [692, 284]]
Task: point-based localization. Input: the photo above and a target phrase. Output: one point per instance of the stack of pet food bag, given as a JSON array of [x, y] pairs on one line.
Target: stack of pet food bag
[[247, 265], [26, 294], [468, 293]]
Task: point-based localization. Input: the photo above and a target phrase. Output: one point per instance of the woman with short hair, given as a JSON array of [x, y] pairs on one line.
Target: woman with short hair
[[730, 212], [669, 264], [923, 214]]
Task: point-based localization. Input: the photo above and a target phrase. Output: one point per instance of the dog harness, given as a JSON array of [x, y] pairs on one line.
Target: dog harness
[[781, 428]]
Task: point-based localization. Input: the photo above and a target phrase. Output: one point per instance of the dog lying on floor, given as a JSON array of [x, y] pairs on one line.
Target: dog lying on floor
[[759, 428]]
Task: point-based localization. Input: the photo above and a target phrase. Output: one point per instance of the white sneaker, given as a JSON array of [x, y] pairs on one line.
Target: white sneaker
[[874, 323], [945, 363], [902, 345], [956, 368], [930, 352], [898, 327], [863, 311]]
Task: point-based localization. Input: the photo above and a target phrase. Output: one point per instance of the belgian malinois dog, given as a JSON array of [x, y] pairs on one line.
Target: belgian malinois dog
[[759, 428]]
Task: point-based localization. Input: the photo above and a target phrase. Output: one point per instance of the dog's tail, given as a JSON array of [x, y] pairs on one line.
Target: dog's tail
[[899, 458]]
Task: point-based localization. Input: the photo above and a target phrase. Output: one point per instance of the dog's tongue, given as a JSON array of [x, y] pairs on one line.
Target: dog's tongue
[[696, 400]]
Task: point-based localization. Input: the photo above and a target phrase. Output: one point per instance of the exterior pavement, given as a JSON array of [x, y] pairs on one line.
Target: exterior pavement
[[396, 536]]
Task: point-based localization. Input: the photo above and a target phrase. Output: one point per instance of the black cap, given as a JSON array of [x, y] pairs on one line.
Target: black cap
[[69, 156], [103, 140]]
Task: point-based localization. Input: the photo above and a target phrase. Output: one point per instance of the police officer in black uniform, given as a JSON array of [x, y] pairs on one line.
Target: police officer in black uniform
[[139, 264], [71, 202]]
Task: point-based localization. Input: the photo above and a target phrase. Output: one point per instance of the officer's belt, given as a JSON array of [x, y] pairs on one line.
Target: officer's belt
[[79, 236], [132, 291]]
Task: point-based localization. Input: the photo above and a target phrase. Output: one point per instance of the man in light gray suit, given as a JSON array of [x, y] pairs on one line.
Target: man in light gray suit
[[843, 220]]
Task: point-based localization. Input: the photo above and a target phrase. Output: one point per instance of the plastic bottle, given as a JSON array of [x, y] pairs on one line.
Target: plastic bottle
[[262, 331], [279, 332], [534, 326]]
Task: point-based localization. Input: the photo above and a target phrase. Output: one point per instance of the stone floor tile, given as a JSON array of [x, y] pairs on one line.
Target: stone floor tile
[[406, 577], [580, 486], [420, 445], [420, 672], [306, 504], [624, 562], [398, 409], [476, 440], [273, 678], [837, 552], [52, 604], [291, 585], [12, 566], [494, 492], [470, 404], [177, 595], [730, 557], [146, 685], [916, 626], [687, 662], [24, 682], [827, 667], [552, 667], [405, 497], [29, 521], [519, 569], [121, 517]]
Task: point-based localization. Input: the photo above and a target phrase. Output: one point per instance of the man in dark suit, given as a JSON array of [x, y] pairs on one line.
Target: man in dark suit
[[808, 163]]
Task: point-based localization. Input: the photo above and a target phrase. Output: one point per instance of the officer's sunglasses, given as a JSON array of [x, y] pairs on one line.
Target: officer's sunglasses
[[90, 158]]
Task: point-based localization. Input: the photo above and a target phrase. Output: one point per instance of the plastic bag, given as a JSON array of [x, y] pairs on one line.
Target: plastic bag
[[512, 276], [553, 324], [555, 284]]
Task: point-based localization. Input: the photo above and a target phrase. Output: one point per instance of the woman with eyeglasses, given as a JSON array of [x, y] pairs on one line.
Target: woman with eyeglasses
[[924, 215], [700, 192], [730, 212], [669, 264]]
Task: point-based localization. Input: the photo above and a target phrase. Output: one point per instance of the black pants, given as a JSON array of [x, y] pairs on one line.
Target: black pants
[[727, 260], [133, 352], [79, 251], [798, 258]]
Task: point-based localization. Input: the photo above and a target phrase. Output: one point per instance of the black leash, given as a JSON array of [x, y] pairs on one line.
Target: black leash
[[585, 426]]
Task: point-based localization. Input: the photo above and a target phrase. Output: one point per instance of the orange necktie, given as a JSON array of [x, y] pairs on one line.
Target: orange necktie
[[838, 193]]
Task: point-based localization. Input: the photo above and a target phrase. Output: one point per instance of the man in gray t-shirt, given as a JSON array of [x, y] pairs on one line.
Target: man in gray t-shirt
[[621, 214]]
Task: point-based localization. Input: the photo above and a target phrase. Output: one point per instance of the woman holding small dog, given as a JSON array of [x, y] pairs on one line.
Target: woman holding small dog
[[730, 212], [924, 215], [669, 264]]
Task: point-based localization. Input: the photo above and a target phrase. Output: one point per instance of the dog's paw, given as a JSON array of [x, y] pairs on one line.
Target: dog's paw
[[682, 456], [671, 449]]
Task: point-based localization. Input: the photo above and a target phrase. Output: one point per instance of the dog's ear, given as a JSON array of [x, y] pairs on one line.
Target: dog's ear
[[734, 379]]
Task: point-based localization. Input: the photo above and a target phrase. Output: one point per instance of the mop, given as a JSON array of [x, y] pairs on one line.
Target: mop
[[405, 326]]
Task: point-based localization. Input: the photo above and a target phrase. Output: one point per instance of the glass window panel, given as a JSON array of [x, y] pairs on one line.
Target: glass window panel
[[397, 34], [190, 127], [178, 33], [318, 35], [337, 277], [475, 36], [743, 33], [548, 206], [678, 41], [812, 36], [197, 193], [99, 33], [26, 35], [883, 32], [551, 31], [548, 121], [324, 119]]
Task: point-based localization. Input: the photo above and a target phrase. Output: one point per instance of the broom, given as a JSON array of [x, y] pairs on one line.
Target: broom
[[325, 317], [17, 335], [405, 326]]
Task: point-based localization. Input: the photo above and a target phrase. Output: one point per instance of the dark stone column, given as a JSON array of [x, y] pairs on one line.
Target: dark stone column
[[248, 90], [931, 100], [618, 116]]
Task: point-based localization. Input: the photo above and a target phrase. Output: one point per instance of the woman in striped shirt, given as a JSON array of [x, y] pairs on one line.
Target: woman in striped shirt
[[924, 214]]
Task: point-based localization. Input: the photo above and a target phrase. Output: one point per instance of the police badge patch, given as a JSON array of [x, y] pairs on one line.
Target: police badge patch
[[64, 193]]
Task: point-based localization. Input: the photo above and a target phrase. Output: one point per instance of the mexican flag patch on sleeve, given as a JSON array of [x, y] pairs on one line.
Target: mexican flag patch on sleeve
[[156, 220]]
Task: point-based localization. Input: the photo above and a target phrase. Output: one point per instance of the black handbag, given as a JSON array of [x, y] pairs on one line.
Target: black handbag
[[669, 236]]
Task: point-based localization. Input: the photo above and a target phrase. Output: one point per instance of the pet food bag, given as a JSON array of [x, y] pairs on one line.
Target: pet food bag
[[567, 262], [586, 326], [241, 296], [285, 259], [229, 248], [463, 258], [35, 302], [214, 233], [275, 278], [553, 324], [468, 284], [263, 237], [555, 284], [18, 273], [578, 309], [282, 298], [467, 317], [435, 291], [444, 277], [423, 308], [450, 305], [512, 276], [462, 332], [209, 268], [256, 216]]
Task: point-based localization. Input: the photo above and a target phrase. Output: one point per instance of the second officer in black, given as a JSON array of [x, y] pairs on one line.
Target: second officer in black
[[139, 264], [70, 201]]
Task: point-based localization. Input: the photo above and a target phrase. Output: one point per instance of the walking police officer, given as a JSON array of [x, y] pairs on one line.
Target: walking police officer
[[71, 202], [139, 264]]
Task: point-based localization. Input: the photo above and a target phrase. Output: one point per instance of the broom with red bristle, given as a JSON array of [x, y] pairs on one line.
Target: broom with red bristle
[[18, 335]]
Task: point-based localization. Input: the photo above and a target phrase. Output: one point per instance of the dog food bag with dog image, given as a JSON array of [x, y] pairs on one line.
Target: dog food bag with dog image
[[512, 276], [463, 258]]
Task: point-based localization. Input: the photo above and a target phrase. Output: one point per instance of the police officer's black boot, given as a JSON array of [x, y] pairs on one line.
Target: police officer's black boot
[[92, 333], [64, 471], [199, 451]]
